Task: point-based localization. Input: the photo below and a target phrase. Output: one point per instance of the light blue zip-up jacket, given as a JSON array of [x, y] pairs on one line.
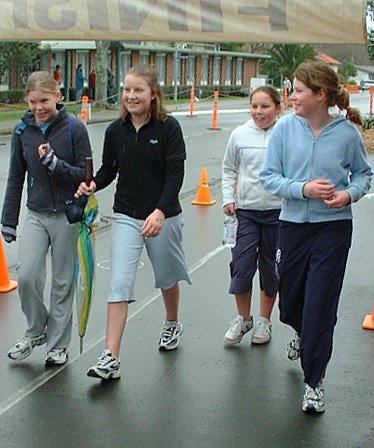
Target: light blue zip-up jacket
[[295, 156]]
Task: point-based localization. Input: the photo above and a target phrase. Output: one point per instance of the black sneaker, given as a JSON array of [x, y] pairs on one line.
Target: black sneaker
[[170, 334]]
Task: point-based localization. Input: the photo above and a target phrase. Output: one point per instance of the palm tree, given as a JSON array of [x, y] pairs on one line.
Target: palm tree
[[284, 58]]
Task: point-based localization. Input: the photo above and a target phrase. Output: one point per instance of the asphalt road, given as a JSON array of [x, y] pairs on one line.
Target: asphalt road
[[203, 394]]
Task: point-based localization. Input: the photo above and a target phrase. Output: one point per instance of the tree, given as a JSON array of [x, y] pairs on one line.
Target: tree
[[231, 46], [102, 47], [284, 58], [370, 44], [346, 71], [18, 59]]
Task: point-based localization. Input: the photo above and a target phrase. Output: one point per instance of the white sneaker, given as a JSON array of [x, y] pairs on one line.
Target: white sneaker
[[238, 328], [170, 335], [23, 348], [106, 368], [313, 399], [56, 357], [293, 348], [261, 331]]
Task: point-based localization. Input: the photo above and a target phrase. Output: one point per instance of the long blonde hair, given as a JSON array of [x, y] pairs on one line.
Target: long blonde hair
[[149, 74], [319, 75]]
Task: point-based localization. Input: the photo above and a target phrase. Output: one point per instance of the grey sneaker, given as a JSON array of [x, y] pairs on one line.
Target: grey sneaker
[[293, 348], [170, 334], [106, 368], [56, 357], [261, 331], [313, 399], [24, 347], [238, 328]]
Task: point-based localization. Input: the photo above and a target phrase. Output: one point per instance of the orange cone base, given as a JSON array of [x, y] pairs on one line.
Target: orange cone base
[[12, 284], [196, 202], [214, 129], [203, 196], [368, 323]]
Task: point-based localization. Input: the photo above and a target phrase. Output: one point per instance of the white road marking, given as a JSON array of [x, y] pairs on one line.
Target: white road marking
[[31, 387]]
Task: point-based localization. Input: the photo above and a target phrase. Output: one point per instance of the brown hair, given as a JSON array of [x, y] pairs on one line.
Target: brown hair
[[149, 74], [42, 81], [269, 90], [319, 75]]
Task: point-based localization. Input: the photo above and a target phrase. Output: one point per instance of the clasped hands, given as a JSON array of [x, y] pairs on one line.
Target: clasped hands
[[322, 189]]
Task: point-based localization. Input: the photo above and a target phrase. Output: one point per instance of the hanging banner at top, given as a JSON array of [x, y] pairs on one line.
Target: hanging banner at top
[[272, 21]]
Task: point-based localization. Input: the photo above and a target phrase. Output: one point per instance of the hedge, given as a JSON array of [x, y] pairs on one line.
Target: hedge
[[12, 96]]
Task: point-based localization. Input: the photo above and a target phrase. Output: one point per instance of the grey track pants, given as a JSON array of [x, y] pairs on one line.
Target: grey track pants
[[41, 232]]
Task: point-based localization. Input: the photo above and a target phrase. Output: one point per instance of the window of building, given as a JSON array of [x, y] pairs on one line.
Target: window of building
[[239, 71], [204, 70], [216, 71], [144, 57], [190, 70], [161, 67], [228, 71], [125, 64]]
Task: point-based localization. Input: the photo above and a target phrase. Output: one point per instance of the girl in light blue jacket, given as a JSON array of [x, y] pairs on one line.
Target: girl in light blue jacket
[[317, 163]]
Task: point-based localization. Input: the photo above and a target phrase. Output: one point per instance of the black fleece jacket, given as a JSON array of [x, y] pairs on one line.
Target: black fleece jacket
[[46, 191], [149, 164]]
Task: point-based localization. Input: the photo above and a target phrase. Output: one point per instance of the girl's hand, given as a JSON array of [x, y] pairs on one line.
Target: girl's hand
[[230, 209], [338, 200], [43, 150], [153, 224], [84, 189], [319, 189]]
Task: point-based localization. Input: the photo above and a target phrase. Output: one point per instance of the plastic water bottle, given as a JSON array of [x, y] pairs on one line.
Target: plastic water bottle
[[230, 227]]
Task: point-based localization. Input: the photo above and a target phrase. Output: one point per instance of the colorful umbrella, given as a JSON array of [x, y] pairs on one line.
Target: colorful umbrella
[[85, 266]]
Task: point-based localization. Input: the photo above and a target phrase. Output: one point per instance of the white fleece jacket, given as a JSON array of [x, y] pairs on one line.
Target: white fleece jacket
[[242, 162]]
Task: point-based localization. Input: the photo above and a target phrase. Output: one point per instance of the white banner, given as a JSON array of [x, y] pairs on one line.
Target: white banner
[[275, 21]]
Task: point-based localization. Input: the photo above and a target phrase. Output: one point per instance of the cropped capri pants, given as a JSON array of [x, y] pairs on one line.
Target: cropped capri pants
[[311, 262], [165, 253], [256, 243]]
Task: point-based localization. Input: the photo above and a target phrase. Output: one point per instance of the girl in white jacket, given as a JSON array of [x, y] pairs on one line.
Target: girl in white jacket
[[257, 212]]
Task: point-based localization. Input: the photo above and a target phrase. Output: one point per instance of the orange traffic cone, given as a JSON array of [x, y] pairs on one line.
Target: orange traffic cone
[[203, 192], [368, 323], [6, 285]]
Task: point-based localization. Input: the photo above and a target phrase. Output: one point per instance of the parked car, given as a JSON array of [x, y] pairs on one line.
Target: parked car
[[366, 84]]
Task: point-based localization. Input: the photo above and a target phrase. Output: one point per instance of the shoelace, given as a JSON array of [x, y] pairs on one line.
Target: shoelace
[[235, 326], [263, 328], [313, 394], [104, 360], [167, 331]]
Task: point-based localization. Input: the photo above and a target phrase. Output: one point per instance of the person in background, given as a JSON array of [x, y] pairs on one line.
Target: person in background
[[287, 85], [257, 212], [110, 87], [79, 82], [92, 84], [317, 163], [57, 75], [146, 150], [54, 171]]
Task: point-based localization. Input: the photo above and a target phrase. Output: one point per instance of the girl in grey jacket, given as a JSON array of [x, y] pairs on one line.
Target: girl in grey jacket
[[317, 163], [257, 211], [54, 171]]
